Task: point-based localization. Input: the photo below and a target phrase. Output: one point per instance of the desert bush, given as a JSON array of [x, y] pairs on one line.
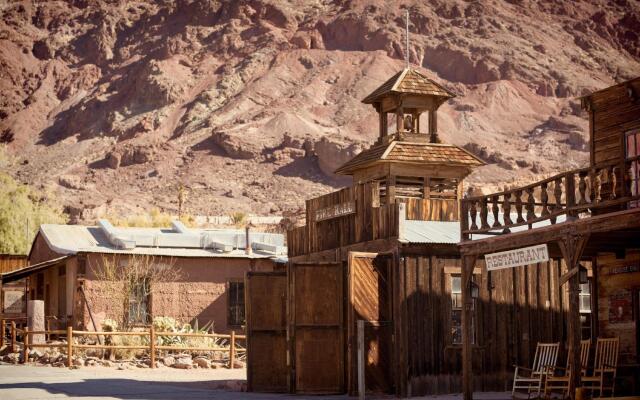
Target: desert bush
[[22, 211]]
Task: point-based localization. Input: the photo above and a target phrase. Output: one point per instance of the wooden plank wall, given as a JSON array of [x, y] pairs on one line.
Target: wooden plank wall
[[517, 309], [12, 262], [369, 222], [432, 209], [613, 113]]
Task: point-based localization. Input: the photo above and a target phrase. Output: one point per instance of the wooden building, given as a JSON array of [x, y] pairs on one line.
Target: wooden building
[[385, 251], [589, 214]]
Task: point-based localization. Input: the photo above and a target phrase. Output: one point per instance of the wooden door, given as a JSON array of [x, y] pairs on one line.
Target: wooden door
[[370, 300], [316, 306], [266, 315]]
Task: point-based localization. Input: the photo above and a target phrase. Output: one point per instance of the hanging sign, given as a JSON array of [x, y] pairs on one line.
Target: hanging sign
[[13, 301], [517, 257]]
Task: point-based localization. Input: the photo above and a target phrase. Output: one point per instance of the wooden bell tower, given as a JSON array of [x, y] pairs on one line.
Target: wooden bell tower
[[407, 162]]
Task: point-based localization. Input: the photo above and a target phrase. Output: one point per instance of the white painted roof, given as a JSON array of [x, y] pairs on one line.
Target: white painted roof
[[72, 239]]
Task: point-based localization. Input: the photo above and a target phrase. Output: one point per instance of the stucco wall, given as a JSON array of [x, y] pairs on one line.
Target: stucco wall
[[200, 293]]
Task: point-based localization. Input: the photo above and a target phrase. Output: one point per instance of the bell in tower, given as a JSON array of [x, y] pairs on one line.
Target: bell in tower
[[407, 96]]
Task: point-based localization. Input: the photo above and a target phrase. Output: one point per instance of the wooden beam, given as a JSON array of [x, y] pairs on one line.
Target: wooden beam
[[468, 264], [564, 278], [572, 247], [628, 219]]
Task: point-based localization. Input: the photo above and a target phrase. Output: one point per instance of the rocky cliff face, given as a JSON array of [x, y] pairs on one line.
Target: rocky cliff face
[[251, 104]]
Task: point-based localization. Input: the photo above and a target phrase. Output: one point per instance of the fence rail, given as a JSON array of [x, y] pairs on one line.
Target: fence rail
[[151, 333], [576, 193]]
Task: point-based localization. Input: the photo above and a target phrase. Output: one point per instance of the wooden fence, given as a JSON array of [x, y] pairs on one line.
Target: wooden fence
[[152, 346]]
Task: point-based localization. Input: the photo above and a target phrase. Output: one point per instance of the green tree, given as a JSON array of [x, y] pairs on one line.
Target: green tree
[[22, 211]]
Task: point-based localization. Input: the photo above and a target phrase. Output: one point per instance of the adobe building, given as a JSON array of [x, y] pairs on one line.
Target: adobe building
[[385, 251], [211, 262]]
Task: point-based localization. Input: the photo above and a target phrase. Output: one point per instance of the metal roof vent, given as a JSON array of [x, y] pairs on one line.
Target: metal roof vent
[[115, 239]]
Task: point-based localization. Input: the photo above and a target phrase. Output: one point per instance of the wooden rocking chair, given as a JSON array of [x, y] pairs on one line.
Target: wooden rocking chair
[[561, 382], [532, 378], [605, 362]]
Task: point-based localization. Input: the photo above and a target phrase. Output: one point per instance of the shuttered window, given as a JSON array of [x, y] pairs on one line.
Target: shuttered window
[[235, 300], [456, 312]]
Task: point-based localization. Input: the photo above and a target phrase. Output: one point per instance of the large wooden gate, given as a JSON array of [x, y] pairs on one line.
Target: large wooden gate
[[266, 315], [370, 300], [316, 308]]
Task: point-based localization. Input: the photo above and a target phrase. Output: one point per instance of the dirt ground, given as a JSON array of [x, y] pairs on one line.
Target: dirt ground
[[18, 382]]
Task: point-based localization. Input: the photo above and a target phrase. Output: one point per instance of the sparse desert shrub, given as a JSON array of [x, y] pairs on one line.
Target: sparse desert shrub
[[22, 211]]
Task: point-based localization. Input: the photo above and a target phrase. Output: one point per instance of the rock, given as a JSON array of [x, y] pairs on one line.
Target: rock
[[169, 361], [113, 160], [239, 364], [122, 367], [58, 364], [70, 182], [78, 362], [90, 363], [183, 362], [235, 147], [35, 353], [202, 362], [106, 363]]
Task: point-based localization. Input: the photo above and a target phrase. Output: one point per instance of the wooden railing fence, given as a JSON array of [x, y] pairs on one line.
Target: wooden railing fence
[[574, 194], [152, 346]]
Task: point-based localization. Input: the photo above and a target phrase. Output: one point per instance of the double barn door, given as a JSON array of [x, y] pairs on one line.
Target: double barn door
[[311, 346]]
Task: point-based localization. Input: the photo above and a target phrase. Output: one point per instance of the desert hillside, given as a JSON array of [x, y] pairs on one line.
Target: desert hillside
[[250, 105]]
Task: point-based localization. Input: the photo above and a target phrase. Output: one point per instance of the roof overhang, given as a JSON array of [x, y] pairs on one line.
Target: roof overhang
[[32, 269]]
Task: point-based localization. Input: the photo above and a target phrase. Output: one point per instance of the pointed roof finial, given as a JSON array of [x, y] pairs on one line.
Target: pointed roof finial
[[406, 56]]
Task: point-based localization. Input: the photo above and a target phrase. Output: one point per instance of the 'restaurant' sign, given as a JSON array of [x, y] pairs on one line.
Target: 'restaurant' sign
[[335, 211], [517, 257]]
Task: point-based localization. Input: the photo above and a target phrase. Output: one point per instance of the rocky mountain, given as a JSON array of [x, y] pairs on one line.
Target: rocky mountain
[[251, 104]]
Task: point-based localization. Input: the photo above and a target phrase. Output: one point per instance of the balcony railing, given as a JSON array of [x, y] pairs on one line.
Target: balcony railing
[[575, 194]]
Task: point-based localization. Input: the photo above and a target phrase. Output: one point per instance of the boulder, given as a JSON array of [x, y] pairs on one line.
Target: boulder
[[202, 362], [169, 361], [237, 364]]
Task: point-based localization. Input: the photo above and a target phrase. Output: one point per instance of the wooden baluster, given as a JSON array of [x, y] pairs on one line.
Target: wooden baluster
[[597, 190], [544, 199], [506, 211], [496, 211], [614, 182], [464, 220], [628, 174], [592, 186], [518, 194], [484, 211], [473, 211], [582, 188], [570, 193], [531, 205]]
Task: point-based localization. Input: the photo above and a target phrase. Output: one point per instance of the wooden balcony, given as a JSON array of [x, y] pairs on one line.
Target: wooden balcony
[[580, 193], [356, 214]]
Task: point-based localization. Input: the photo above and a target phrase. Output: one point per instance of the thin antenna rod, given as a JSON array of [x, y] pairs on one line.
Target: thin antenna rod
[[406, 56]]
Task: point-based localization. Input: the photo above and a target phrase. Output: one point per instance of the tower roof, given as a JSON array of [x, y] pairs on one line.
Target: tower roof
[[411, 153], [408, 81]]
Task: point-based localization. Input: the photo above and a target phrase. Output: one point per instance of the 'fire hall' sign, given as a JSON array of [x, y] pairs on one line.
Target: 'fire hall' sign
[[517, 257]]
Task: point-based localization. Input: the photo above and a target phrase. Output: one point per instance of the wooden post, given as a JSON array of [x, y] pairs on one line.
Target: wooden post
[[25, 348], [572, 247], [361, 364], [13, 336], [232, 350], [3, 326], [152, 346], [468, 263], [69, 346]]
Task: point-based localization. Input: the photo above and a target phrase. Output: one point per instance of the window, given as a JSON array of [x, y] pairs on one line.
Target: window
[[632, 149], [456, 312], [139, 303], [235, 301], [585, 310]]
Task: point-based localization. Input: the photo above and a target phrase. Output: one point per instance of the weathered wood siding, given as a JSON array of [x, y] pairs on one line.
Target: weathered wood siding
[[613, 112], [12, 262], [517, 309]]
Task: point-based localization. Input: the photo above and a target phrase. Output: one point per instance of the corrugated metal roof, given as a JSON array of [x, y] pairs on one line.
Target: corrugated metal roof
[[445, 232], [72, 239], [434, 232]]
